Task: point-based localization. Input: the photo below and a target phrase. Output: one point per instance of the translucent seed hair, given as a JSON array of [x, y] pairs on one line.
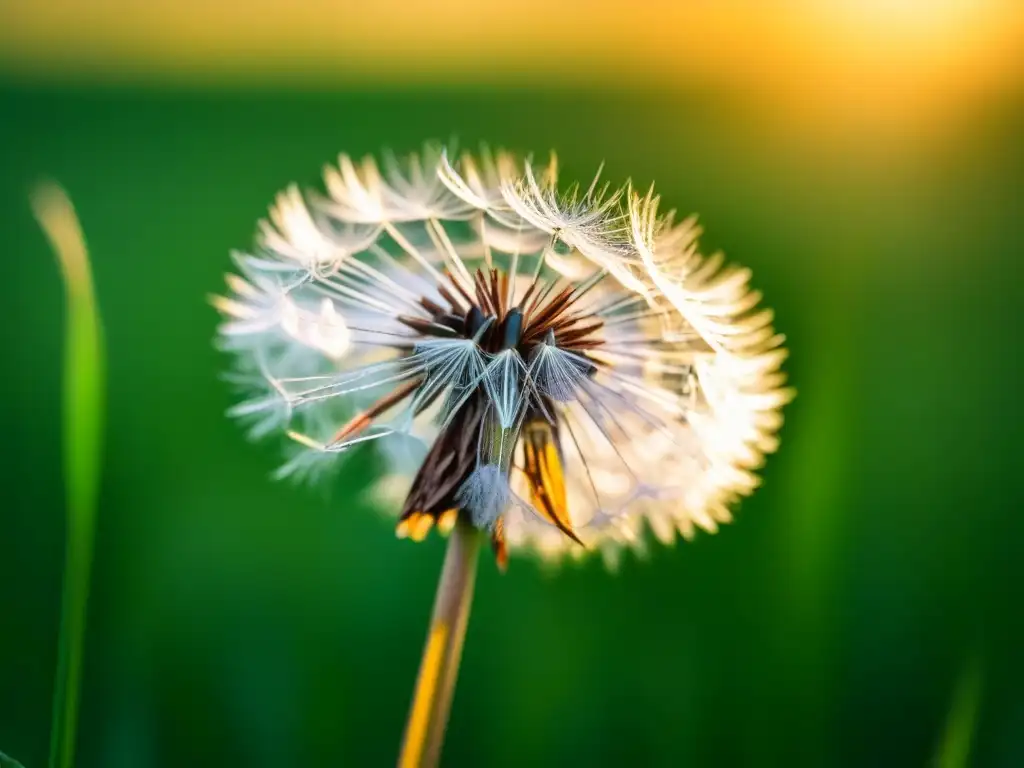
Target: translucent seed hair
[[557, 366]]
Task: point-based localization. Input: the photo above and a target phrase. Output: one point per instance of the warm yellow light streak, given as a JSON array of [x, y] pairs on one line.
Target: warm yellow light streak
[[874, 53]]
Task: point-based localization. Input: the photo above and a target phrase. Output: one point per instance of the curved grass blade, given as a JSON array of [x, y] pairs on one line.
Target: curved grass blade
[[9, 762], [82, 440], [955, 746]]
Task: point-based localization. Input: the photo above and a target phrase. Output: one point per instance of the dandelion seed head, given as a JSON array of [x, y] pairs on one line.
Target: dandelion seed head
[[560, 366]]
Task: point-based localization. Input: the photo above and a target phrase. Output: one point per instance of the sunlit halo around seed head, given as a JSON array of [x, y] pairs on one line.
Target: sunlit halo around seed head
[[556, 367]]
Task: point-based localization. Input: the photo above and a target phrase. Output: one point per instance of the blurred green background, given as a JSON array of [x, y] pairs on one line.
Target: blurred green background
[[868, 595]]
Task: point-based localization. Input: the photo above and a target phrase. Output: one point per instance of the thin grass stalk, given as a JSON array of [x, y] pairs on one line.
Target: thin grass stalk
[[82, 438]]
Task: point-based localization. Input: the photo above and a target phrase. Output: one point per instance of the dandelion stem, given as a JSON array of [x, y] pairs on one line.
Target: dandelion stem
[[435, 684]]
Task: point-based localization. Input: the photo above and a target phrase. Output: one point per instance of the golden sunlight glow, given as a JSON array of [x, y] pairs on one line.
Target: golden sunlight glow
[[857, 59], [890, 62]]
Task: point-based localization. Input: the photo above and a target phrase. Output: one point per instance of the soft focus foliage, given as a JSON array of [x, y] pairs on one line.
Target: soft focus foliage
[[237, 621]]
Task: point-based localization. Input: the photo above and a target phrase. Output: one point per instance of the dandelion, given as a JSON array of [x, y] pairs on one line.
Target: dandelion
[[569, 362]]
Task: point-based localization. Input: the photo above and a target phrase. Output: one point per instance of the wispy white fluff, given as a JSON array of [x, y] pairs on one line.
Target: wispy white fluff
[[452, 366], [591, 222], [486, 494], [262, 314], [478, 184], [312, 241], [664, 416], [266, 407], [557, 373], [506, 387], [409, 190]]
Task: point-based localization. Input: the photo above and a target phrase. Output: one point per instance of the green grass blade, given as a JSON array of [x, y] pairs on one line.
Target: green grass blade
[[9, 762], [82, 438], [955, 747]]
